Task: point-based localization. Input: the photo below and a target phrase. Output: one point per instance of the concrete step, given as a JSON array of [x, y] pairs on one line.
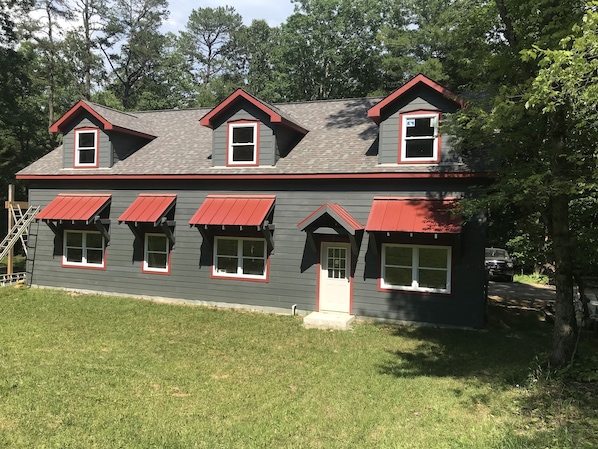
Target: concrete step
[[328, 320]]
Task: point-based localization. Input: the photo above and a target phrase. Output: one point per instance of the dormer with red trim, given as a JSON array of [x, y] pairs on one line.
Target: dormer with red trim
[[409, 123], [248, 132], [95, 136]]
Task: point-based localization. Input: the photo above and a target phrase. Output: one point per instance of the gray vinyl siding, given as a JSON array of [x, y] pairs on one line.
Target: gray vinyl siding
[[419, 99], [267, 143], [292, 265], [105, 150]]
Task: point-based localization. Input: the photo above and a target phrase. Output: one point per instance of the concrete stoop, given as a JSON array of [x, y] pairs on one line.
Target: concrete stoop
[[328, 320]]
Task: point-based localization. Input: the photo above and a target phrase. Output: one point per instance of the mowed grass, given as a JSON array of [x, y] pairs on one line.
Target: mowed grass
[[83, 371]]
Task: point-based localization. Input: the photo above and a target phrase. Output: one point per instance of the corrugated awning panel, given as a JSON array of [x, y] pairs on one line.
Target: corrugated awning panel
[[148, 208], [234, 210], [74, 207], [413, 215]]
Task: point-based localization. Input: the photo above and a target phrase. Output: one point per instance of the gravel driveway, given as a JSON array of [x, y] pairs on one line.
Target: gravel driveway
[[532, 296]]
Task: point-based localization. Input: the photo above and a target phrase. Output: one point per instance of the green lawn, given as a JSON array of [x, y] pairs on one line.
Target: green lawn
[[79, 371]]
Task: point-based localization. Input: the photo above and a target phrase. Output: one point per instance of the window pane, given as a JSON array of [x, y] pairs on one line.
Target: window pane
[[419, 148], [94, 241], [157, 260], [226, 265], [398, 276], [423, 127], [87, 156], [95, 256], [243, 153], [253, 248], [433, 258], [225, 247], [87, 140], [432, 279], [74, 239], [399, 255], [156, 243], [74, 255], [254, 266], [243, 134]]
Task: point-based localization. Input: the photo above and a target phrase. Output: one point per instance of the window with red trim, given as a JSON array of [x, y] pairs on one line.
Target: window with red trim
[[420, 140], [241, 257], [86, 147], [83, 249], [156, 253], [243, 143]]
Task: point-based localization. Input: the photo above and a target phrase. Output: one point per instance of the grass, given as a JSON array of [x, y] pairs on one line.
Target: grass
[[82, 371], [532, 278], [18, 263]]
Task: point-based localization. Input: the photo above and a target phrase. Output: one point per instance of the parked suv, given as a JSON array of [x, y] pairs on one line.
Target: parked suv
[[499, 264]]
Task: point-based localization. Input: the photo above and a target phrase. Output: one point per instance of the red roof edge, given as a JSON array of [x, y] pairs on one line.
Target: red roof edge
[[208, 119], [337, 212], [72, 112], [375, 113]]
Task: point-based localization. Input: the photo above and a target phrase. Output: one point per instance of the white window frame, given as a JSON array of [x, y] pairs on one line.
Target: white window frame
[[239, 273], [415, 269], [84, 249], [231, 145], [96, 138], [405, 118], [146, 266]]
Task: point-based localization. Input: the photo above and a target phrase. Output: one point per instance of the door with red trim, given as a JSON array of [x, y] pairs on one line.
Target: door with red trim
[[335, 277]]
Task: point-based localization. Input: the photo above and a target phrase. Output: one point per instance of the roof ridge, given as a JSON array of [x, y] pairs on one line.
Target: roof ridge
[[93, 104]]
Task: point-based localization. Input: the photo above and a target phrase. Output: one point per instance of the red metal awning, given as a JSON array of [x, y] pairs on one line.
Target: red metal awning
[[148, 208], [234, 210], [413, 215], [340, 215], [73, 207]]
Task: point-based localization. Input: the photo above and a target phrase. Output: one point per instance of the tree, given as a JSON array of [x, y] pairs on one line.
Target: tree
[[537, 152], [132, 45], [329, 49]]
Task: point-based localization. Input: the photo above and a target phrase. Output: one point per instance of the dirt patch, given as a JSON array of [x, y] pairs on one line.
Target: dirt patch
[[523, 296]]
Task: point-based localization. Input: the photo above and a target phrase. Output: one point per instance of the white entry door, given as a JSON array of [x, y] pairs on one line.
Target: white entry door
[[335, 276]]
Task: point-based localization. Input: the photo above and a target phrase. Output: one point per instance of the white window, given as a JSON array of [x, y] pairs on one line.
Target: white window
[[416, 268], [242, 144], [83, 248], [86, 147], [240, 257], [156, 250], [419, 140]]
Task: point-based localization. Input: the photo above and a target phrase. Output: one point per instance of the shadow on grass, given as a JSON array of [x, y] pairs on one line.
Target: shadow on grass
[[551, 411]]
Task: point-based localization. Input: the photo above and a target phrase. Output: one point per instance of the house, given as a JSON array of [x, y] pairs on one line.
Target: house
[[344, 206]]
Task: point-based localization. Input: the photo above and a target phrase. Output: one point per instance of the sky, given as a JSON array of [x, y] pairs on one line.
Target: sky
[[272, 11]]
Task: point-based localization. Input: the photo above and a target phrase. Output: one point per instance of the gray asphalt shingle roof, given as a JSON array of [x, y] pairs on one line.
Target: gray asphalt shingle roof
[[341, 140]]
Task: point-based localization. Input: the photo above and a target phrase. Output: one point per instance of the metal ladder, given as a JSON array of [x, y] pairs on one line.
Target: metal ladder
[[19, 230]]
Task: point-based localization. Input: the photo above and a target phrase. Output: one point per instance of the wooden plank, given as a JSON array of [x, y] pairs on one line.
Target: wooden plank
[[22, 204]]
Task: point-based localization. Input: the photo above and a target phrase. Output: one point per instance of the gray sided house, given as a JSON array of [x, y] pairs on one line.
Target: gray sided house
[[347, 206]]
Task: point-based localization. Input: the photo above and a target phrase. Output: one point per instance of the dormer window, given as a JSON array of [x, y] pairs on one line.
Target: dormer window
[[420, 141], [243, 145], [86, 147]]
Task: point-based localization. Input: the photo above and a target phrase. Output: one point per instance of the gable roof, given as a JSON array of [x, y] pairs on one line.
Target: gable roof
[[375, 113], [275, 114], [110, 119]]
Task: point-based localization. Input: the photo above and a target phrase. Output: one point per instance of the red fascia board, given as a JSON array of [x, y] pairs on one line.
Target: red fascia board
[[72, 113], [233, 210], [344, 218], [147, 208], [375, 113], [74, 207], [208, 119], [257, 177], [413, 215]]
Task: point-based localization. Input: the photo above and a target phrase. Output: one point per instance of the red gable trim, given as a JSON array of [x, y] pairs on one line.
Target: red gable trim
[[148, 208], [344, 218], [375, 113], [72, 113], [208, 119], [73, 207], [413, 215], [234, 210]]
